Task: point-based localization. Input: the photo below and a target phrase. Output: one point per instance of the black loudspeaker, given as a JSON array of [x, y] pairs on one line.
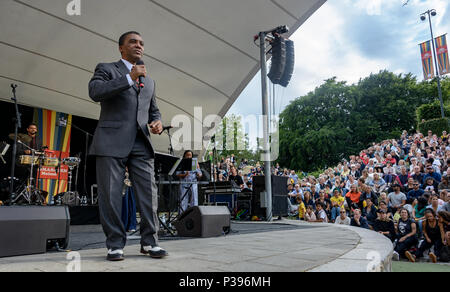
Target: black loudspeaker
[[289, 64], [204, 221], [27, 230], [278, 60], [279, 196]]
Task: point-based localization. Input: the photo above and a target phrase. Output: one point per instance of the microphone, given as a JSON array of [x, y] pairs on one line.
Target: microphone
[[166, 128], [141, 78]]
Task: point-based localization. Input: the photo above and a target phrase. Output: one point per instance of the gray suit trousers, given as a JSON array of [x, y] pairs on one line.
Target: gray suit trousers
[[110, 177]]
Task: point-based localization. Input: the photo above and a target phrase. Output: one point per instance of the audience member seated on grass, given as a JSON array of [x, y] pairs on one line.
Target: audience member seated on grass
[[378, 184], [432, 231], [310, 216], [431, 173], [417, 174], [435, 204], [444, 184], [308, 200], [342, 219], [406, 236], [321, 214], [409, 186], [419, 209], [396, 199], [410, 205], [369, 212], [416, 191], [446, 206], [337, 204], [384, 206], [444, 219], [430, 185], [353, 198], [301, 208], [358, 220], [384, 225], [326, 203]]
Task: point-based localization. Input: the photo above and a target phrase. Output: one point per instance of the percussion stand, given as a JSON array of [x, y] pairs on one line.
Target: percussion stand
[[72, 195], [27, 193]]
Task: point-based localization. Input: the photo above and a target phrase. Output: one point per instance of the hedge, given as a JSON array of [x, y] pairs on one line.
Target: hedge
[[431, 111], [435, 125]]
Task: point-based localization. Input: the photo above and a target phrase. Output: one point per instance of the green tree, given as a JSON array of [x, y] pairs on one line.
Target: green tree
[[337, 120]]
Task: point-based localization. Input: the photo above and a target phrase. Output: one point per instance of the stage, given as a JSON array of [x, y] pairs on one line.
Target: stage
[[280, 246]]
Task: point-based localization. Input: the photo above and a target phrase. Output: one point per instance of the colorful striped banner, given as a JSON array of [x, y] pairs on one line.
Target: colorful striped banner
[[442, 54], [57, 139], [427, 60]]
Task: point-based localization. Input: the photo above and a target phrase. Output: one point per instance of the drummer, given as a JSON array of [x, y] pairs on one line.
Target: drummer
[[31, 139]]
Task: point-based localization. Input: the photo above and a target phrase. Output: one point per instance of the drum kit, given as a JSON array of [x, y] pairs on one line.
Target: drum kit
[[28, 191]]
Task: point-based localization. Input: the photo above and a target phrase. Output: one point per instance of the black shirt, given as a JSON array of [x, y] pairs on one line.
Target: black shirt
[[405, 227], [384, 226], [237, 179]]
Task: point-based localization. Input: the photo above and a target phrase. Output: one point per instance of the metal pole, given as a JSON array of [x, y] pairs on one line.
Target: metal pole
[[266, 146], [436, 66]]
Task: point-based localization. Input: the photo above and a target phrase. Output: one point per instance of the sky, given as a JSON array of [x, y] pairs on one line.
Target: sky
[[350, 39]]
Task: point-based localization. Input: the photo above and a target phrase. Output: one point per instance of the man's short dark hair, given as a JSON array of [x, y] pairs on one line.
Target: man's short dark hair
[[124, 36], [32, 124]]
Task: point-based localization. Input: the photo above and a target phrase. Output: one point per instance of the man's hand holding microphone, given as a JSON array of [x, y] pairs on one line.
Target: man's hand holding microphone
[[140, 72]]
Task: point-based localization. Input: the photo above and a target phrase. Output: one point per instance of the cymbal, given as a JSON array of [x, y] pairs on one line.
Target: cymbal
[[22, 137]]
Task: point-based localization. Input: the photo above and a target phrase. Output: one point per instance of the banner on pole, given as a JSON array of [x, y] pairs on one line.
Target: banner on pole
[[442, 55], [427, 60], [53, 179]]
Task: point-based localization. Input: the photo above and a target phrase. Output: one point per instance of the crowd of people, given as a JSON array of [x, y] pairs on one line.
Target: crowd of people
[[399, 188]]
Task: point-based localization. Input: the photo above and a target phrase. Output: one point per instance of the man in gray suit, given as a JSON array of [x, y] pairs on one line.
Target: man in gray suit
[[122, 139]]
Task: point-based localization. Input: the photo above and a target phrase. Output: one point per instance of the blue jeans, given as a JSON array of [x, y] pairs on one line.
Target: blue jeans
[[335, 212]]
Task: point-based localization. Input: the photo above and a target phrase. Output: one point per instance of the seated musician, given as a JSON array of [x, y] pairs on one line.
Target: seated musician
[[31, 139], [189, 191]]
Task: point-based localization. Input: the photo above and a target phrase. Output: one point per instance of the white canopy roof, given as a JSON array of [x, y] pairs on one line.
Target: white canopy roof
[[200, 52]]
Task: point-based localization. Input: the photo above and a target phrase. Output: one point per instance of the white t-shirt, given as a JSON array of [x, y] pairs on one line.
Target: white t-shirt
[[323, 216], [346, 221]]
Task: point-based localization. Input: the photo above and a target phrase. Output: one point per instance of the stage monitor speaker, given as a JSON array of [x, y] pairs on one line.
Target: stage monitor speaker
[[26, 230], [279, 196], [204, 221]]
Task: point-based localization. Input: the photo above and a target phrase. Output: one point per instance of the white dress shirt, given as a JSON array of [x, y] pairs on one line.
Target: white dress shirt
[[129, 67]]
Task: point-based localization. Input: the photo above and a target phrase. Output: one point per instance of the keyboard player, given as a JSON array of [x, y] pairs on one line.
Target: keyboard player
[[189, 191]]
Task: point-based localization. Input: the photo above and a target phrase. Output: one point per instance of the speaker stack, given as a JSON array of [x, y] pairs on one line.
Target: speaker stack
[[279, 196], [283, 61]]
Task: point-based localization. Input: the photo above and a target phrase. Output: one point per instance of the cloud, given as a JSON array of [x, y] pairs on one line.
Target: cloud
[[350, 39]]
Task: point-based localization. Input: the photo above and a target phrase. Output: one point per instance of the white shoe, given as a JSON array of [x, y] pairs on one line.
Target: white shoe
[[395, 256]]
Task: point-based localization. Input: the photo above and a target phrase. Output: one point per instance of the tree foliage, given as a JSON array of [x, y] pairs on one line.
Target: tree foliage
[[337, 120]]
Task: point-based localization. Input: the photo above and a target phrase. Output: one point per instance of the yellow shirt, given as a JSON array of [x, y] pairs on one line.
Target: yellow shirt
[[301, 210], [339, 200]]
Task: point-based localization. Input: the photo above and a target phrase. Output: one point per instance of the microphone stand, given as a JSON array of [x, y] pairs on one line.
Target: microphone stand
[[171, 152], [18, 124], [87, 135]]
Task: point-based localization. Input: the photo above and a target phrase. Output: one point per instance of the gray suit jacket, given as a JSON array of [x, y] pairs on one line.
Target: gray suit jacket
[[122, 110]]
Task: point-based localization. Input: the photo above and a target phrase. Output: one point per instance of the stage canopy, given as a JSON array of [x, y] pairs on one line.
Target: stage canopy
[[200, 52]]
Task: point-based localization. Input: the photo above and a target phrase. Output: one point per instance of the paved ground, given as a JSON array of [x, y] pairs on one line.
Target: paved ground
[[314, 247]]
